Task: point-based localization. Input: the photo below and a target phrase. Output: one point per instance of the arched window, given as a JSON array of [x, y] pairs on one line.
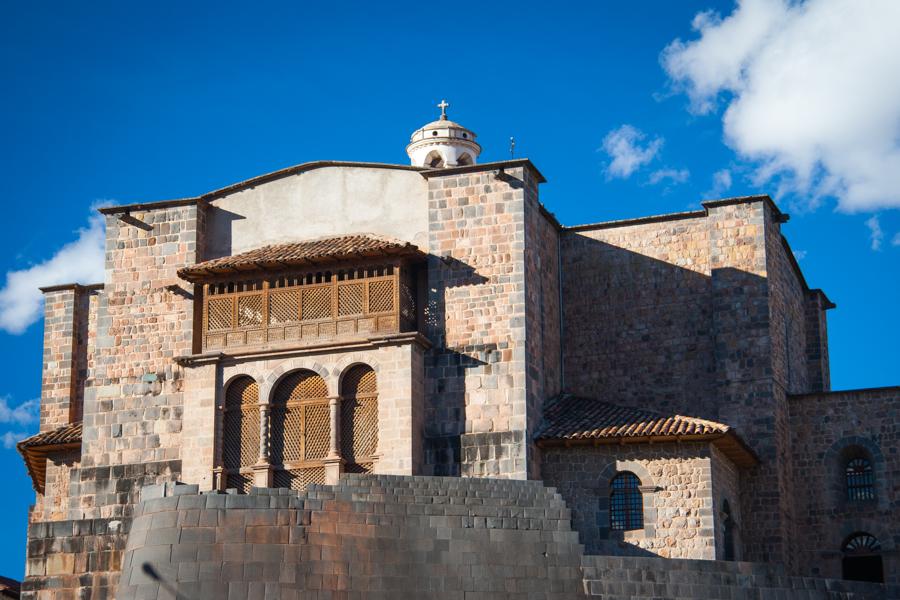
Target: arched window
[[300, 430], [240, 429], [434, 160], [359, 418], [464, 159], [860, 479], [626, 503], [862, 558]]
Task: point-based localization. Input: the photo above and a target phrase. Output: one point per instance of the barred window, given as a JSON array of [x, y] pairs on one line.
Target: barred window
[[860, 479], [626, 503]]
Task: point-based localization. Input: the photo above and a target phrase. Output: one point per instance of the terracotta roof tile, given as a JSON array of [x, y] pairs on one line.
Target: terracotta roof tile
[[573, 419], [299, 254], [34, 449]]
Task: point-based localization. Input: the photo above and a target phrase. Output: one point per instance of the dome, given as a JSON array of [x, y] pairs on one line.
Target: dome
[[443, 143]]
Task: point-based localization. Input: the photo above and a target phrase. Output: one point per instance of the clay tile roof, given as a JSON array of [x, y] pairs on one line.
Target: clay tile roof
[[301, 254], [571, 419], [36, 448]]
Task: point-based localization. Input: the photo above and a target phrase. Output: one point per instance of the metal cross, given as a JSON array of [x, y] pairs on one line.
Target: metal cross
[[443, 106]]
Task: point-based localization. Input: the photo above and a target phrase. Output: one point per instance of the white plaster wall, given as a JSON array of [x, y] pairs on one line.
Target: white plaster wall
[[334, 200]]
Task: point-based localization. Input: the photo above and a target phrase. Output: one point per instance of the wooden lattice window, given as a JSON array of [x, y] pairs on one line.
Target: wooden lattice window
[[626, 503], [300, 428], [350, 299], [359, 418], [240, 432], [381, 296]]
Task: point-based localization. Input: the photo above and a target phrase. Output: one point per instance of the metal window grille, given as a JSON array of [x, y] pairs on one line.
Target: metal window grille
[[359, 415], [860, 480], [626, 503], [862, 543]]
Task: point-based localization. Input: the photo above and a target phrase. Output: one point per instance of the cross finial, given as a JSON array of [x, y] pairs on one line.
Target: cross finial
[[443, 106]]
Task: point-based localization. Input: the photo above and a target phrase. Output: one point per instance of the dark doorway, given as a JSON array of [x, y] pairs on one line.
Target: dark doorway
[[862, 558], [863, 568]]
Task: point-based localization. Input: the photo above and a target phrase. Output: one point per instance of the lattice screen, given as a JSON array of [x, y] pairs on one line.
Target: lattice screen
[[300, 419], [284, 307], [240, 481], [240, 444], [219, 314], [317, 303], [381, 296], [359, 415], [350, 299], [250, 310], [298, 479]]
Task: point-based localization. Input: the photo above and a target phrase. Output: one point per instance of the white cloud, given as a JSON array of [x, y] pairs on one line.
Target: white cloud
[[876, 235], [80, 261], [10, 438], [721, 183], [671, 175], [896, 240], [812, 93], [25, 413], [800, 254], [625, 147]]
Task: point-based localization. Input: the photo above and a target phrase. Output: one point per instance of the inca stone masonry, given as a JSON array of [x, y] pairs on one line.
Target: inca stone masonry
[[353, 380]]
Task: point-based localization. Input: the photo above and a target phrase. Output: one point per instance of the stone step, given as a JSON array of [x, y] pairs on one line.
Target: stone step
[[539, 507]]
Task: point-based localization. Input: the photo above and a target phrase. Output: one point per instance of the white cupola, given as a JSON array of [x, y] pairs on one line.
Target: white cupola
[[442, 144]]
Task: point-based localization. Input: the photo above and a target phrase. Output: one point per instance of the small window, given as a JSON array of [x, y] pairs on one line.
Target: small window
[[626, 503], [860, 480]]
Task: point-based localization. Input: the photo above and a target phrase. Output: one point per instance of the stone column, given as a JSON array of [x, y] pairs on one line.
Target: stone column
[[262, 470], [334, 462]]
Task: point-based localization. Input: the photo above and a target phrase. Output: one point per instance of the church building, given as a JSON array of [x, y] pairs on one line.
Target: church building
[[651, 391]]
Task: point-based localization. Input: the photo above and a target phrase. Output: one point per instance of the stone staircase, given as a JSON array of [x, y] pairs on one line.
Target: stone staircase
[[380, 536]]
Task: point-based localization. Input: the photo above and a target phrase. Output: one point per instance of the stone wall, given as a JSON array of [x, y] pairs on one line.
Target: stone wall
[[376, 537], [67, 326], [638, 315], [53, 503], [824, 426], [542, 314], [133, 402], [647, 578], [679, 483], [475, 317]]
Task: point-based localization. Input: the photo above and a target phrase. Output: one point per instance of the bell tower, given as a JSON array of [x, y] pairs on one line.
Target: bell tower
[[443, 143]]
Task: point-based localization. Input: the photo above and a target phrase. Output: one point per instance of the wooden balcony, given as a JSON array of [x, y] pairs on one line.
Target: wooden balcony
[[308, 308]]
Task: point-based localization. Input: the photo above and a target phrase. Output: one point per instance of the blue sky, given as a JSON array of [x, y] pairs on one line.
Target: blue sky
[[117, 102]]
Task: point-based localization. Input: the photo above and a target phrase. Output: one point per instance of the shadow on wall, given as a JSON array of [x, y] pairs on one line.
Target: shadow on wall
[[221, 222], [445, 368]]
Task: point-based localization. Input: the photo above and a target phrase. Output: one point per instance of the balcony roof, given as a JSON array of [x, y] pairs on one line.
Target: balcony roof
[[309, 253]]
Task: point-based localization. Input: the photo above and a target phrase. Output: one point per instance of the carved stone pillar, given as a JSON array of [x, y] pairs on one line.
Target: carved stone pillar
[[262, 470], [334, 462]]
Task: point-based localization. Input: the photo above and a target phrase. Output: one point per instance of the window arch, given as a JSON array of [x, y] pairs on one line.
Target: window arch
[[300, 430], [359, 418], [240, 432], [626, 503], [464, 159], [434, 160], [859, 478], [862, 558]]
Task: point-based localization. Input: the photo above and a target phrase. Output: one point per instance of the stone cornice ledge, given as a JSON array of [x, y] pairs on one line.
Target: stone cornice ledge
[[207, 358]]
